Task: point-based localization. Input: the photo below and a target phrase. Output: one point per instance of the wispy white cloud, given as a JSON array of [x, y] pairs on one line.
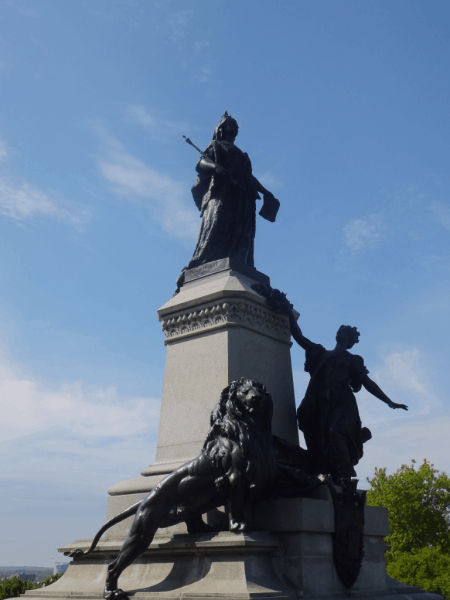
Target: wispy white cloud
[[405, 371], [201, 45], [25, 201], [363, 233], [3, 150], [442, 212], [404, 375], [156, 125], [403, 213], [29, 407], [88, 437], [203, 77], [62, 447], [398, 436], [141, 116], [396, 444], [270, 181], [130, 178], [178, 21], [441, 261]]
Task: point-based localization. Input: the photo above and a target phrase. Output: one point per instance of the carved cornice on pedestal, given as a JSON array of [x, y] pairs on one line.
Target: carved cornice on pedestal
[[225, 314]]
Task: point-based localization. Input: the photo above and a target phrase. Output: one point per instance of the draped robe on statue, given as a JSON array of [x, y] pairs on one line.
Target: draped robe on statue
[[227, 206], [329, 408]]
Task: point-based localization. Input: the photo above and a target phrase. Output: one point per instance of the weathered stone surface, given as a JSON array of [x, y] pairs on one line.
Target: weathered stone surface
[[225, 565], [225, 284], [377, 521], [218, 329], [285, 564], [294, 514]]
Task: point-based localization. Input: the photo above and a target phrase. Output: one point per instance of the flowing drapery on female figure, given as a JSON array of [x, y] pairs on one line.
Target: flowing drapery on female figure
[[225, 192], [328, 415]]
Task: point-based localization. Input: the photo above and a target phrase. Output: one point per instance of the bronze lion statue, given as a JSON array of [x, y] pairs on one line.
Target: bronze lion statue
[[236, 464]]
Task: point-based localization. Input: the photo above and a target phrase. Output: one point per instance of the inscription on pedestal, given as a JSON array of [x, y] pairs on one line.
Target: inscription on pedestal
[[224, 264]]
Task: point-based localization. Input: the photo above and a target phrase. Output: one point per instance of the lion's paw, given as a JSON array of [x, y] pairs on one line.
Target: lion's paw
[[74, 553], [222, 485], [116, 594]]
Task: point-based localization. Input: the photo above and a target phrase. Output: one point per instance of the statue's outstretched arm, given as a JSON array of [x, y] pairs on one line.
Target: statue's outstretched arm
[[376, 391], [260, 188]]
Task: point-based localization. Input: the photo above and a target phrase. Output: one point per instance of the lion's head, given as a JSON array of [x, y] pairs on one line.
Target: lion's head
[[243, 416], [243, 400], [249, 397]]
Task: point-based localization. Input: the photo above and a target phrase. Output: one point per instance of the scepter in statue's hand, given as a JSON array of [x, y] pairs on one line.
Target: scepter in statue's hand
[[218, 168], [188, 141], [270, 205]]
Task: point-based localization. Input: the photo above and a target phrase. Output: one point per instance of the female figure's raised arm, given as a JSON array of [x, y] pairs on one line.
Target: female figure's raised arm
[[297, 333], [278, 301]]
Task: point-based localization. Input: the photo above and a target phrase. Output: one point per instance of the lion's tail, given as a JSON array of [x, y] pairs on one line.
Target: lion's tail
[[132, 510]]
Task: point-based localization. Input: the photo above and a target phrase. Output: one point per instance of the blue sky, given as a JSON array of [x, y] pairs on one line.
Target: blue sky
[[343, 109]]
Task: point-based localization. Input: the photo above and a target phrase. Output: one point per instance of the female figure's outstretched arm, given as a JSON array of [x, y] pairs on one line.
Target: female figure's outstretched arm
[[376, 391]]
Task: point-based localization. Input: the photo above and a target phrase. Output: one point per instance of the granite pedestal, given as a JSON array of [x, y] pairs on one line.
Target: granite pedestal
[[217, 329]]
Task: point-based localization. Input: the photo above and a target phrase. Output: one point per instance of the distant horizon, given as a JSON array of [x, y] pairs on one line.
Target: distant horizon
[[27, 567]]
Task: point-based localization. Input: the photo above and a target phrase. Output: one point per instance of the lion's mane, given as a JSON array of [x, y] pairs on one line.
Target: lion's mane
[[233, 424]]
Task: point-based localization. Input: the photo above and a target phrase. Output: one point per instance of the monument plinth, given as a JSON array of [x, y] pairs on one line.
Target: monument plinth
[[217, 329], [289, 554]]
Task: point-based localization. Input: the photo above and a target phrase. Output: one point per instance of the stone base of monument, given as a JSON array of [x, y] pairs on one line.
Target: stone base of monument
[[288, 554], [219, 329]]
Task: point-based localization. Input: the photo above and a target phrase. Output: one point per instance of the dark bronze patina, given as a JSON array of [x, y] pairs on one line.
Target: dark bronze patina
[[225, 193], [240, 462], [237, 465], [328, 415], [348, 537]]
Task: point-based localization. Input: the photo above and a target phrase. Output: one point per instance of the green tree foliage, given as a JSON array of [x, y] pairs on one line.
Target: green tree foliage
[[429, 568], [419, 506], [418, 501], [14, 587]]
